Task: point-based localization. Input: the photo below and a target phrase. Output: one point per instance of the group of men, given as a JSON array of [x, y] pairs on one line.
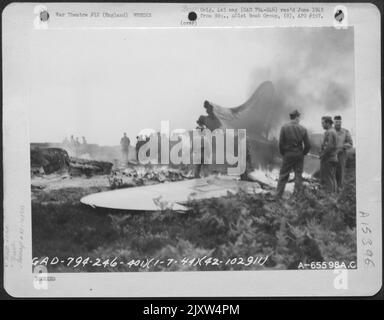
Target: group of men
[[125, 143], [294, 144], [74, 144]]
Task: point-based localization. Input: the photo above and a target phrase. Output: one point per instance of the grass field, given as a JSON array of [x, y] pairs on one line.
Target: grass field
[[314, 228]]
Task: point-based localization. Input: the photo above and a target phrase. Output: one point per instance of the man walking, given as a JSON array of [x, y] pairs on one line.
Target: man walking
[[328, 156], [124, 143], [344, 142], [293, 146]]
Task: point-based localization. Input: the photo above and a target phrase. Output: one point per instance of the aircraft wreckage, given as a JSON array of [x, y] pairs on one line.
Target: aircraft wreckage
[[258, 115]]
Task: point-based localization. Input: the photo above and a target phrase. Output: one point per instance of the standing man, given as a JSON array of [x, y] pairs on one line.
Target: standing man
[[344, 143], [328, 156], [73, 142], [72, 146], [199, 168], [124, 143], [65, 142], [293, 146], [77, 147]]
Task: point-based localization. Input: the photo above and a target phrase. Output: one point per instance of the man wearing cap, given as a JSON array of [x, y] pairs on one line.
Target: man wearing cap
[[344, 143], [293, 146], [328, 155]]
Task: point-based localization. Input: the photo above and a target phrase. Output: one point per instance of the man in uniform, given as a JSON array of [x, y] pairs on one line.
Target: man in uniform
[[199, 167], [293, 146], [344, 143], [328, 156], [124, 143]]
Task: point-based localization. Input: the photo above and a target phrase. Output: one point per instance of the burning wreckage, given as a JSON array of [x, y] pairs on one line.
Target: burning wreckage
[[259, 116], [47, 160]]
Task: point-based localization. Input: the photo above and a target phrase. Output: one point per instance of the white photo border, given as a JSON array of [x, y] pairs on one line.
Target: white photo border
[[19, 280]]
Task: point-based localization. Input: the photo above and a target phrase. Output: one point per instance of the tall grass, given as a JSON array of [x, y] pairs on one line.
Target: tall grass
[[315, 227]]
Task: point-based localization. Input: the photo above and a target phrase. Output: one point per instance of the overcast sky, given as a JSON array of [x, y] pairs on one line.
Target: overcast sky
[[101, 83]]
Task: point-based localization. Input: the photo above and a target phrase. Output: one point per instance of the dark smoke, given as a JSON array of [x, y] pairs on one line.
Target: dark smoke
[[337, 97], [313, 70]]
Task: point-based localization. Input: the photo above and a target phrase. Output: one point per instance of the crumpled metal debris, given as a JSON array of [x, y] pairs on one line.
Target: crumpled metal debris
[[146, 175]]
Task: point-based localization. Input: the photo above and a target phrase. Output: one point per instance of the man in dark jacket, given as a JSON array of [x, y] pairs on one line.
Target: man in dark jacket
[[293, 146], [344, 144], [199, 167], [328, 156]]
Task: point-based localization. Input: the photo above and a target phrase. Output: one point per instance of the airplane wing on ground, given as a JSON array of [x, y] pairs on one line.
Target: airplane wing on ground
[[171, 195]]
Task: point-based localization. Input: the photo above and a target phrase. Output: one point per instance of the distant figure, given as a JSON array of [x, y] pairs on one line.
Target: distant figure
[[124, 143], [65, 142], [210, 122], [293, 146], [199, 167], [84, 141], [72, 146], [77, 147], [328, 156], [72, 141], [344, 143]]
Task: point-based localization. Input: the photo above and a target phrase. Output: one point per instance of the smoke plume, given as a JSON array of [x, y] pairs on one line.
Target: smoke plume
[[313, 72]]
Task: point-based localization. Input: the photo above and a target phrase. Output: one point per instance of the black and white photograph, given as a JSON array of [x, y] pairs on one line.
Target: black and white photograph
[[129, 174], [202, 150]]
